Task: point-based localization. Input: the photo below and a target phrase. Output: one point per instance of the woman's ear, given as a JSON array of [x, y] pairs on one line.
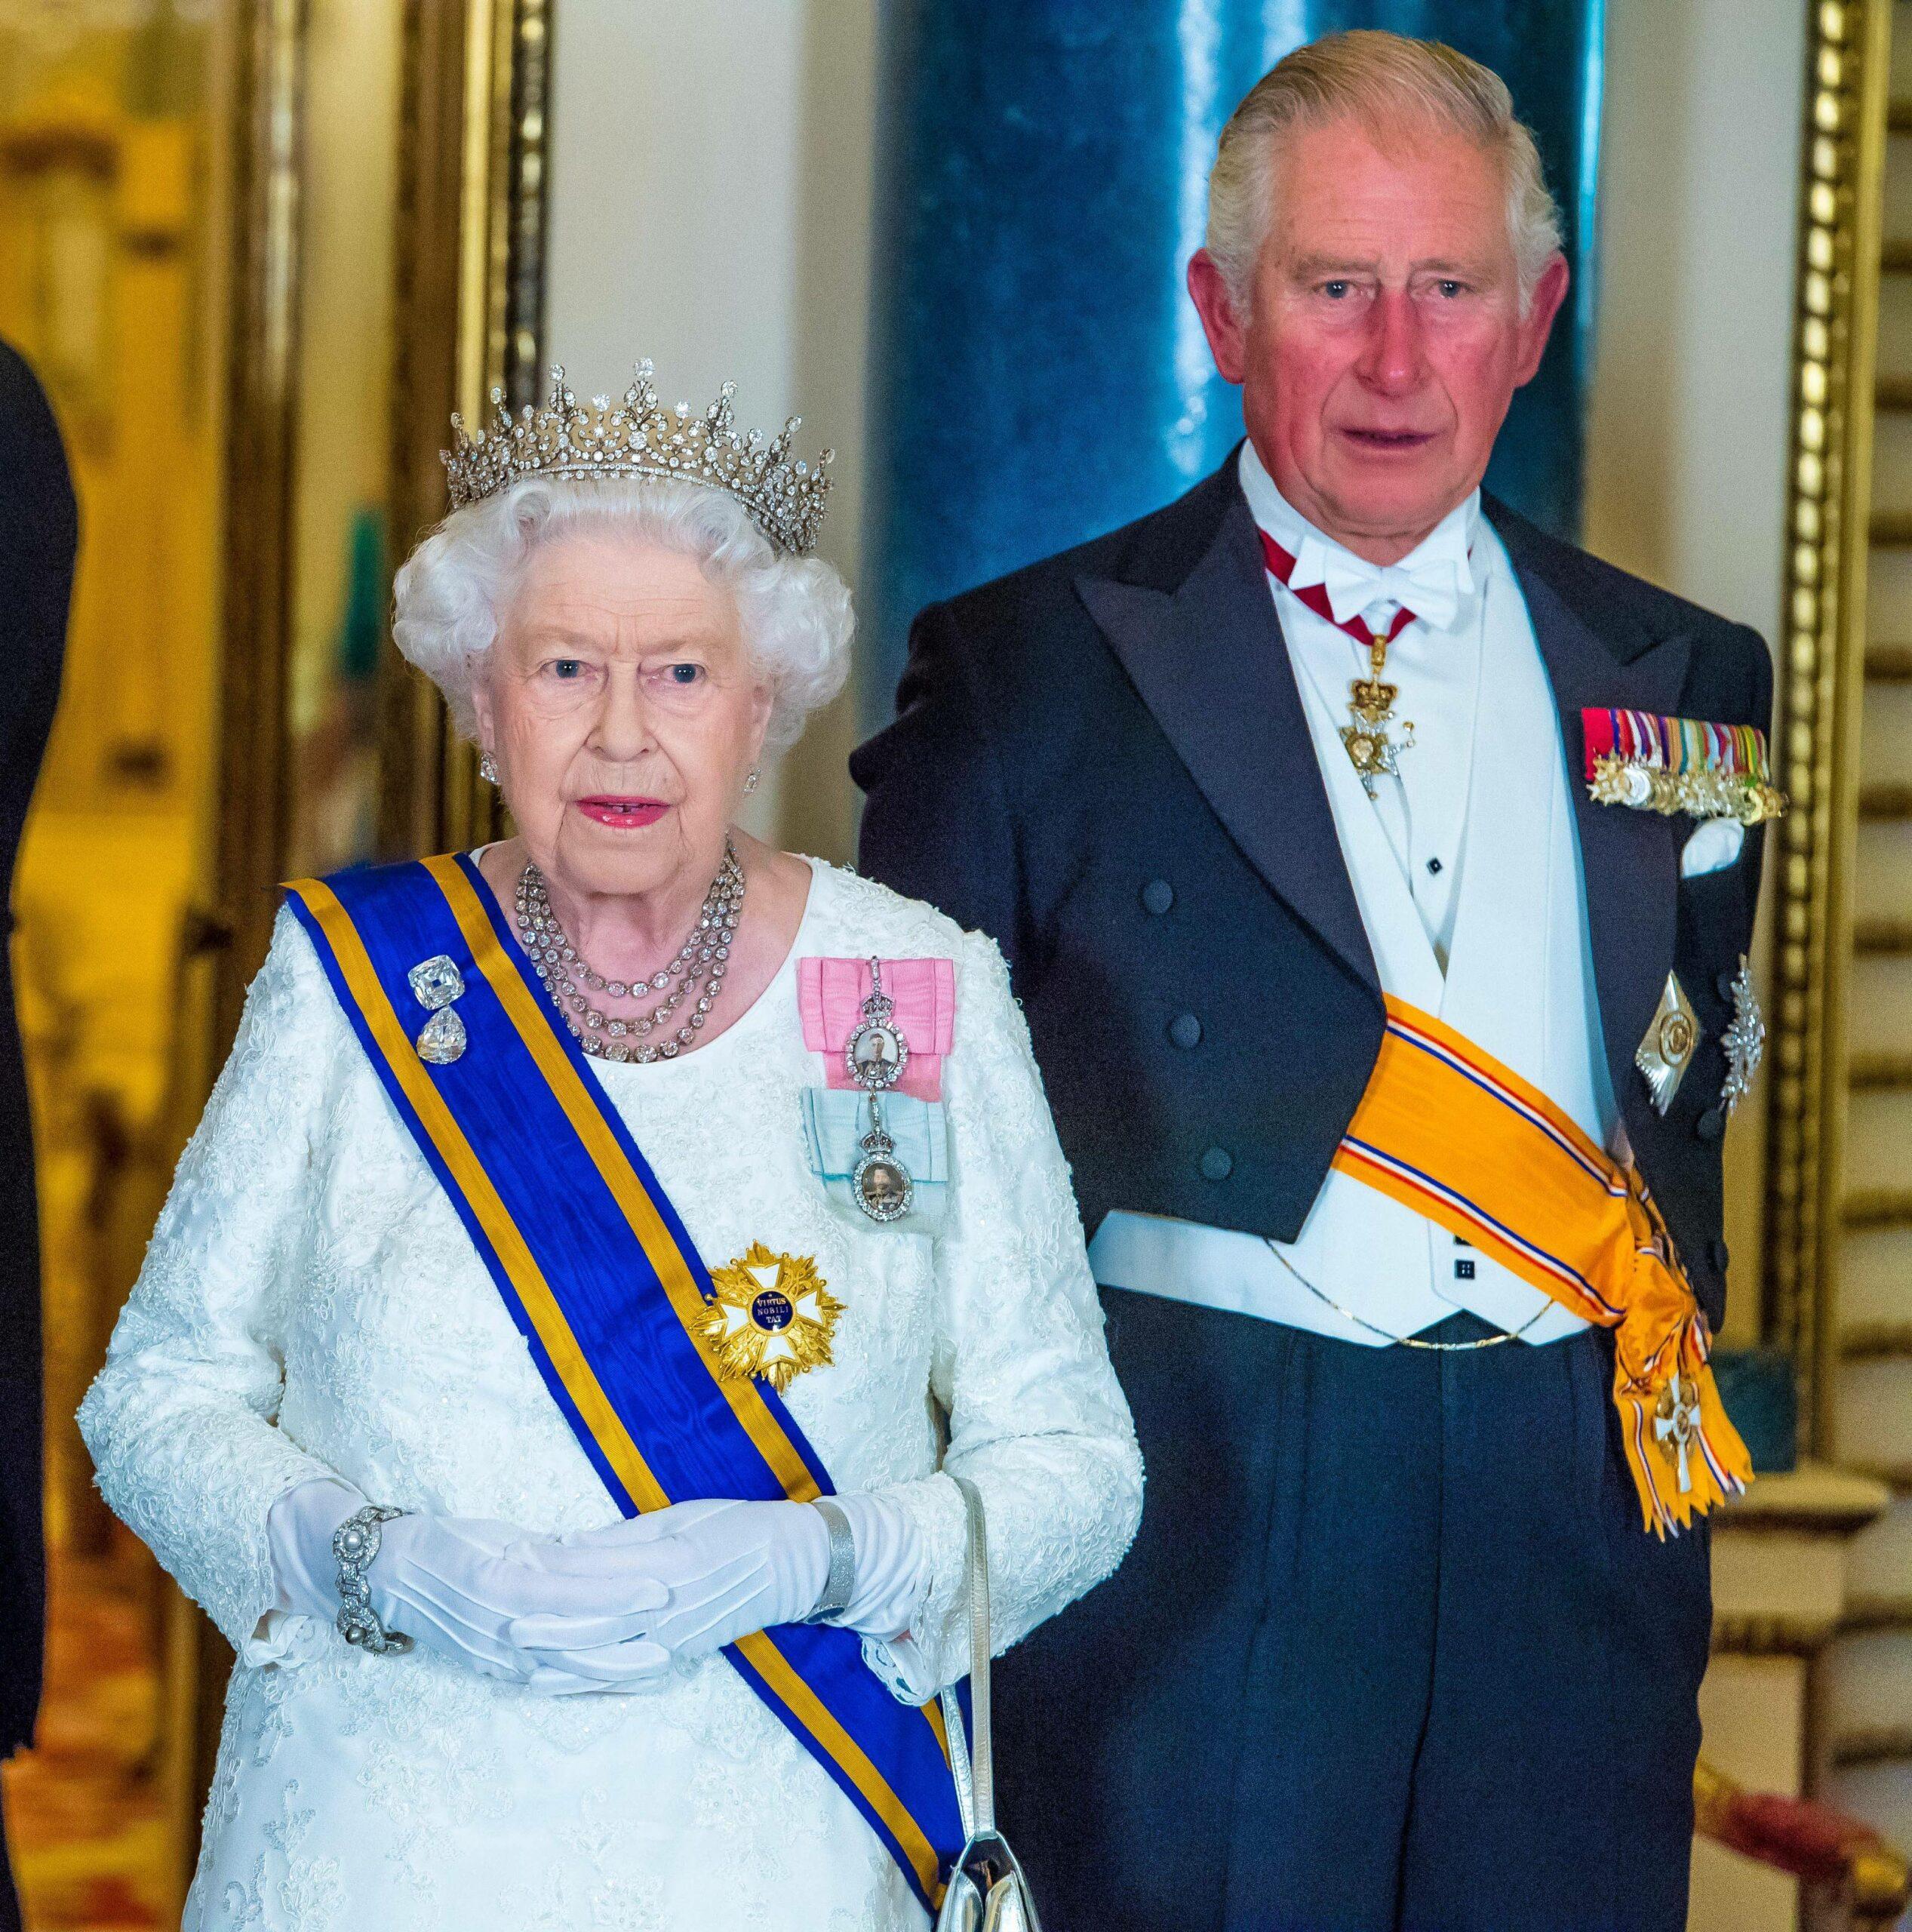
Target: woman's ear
[[482, 711], [764, 704]]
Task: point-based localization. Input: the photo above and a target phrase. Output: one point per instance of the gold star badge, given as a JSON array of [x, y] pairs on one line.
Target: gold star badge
[[1671, 1041], [770, 1315]]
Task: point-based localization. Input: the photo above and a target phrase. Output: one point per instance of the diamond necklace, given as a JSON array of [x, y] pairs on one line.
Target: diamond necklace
[[699, 967]]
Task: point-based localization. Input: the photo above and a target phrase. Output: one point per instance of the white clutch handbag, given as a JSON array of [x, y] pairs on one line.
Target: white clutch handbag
[[988, 1892]]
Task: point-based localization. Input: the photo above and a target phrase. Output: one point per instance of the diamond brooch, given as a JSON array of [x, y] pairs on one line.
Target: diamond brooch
[[1744, 1042], [437, 982]]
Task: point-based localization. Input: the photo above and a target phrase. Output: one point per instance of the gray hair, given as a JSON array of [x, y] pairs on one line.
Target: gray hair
[[795, 611], [1375, 78]]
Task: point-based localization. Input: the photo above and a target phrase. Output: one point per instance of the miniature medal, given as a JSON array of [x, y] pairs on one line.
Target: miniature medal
[[876, 1054], [1371, 706], [770, 1316], [1674, 765]]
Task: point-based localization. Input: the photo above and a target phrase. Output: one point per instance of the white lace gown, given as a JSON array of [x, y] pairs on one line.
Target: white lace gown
[[310, 1302]]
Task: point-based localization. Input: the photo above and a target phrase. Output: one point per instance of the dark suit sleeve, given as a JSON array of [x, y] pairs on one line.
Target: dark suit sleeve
[[937, 824], [38, 534]]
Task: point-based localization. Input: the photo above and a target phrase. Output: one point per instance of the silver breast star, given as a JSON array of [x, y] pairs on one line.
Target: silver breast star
[[1744, 1042]]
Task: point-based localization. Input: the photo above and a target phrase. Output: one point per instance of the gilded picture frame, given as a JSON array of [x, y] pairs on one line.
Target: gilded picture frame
[[1820, 661], [467, 319]]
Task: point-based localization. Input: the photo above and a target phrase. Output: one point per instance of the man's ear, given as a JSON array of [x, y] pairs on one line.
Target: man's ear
[[1208, 289], [1538, 323]]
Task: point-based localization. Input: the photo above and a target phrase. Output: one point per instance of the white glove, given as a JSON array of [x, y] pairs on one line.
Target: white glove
[[726, 1569], [730, 1568], [448, 1584]]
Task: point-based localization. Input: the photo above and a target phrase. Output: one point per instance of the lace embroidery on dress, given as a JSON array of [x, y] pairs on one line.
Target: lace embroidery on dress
[[287, 1892], [310, 1304]]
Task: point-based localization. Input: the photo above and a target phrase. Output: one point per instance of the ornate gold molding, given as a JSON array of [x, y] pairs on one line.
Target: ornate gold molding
[[251, 833], [470, 319], [1821, 672]]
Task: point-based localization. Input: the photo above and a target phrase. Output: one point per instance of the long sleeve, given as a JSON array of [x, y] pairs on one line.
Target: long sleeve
[[1036, 1419], [181, 1420]]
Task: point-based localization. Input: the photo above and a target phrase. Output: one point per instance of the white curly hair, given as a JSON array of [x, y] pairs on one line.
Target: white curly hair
[[795, 611]]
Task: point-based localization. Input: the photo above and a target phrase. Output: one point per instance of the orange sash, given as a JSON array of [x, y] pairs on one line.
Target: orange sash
[[1447, 1130]]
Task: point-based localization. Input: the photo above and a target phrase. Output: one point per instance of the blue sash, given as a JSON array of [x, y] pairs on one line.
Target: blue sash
[[606, 1288]]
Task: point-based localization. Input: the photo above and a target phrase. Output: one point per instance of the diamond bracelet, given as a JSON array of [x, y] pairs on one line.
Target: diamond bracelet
[[354, 1542]]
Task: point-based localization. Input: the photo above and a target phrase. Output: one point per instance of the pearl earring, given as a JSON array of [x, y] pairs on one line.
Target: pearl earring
[[750, 783], [488, 769]]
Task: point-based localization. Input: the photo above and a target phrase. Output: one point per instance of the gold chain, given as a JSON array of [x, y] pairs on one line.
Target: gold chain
[[1406, 1341]]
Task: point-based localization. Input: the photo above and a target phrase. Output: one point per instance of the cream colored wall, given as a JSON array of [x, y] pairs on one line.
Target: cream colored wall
[[1686, 431], [353, 56], [711, 190]]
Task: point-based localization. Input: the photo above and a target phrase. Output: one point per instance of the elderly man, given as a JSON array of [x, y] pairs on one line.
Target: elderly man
[[1375, 874]]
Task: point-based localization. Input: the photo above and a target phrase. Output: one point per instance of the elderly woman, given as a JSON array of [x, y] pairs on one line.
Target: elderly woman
[[598, 1255]]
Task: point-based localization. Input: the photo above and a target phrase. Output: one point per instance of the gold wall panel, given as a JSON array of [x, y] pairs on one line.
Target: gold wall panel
[[1820, 676]]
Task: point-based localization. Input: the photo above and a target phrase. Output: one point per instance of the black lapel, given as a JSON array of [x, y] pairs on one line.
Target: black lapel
[[1209, 660], [1597, 659]]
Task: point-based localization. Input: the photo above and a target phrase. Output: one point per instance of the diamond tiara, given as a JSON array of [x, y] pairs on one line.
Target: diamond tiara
[[785, 499]]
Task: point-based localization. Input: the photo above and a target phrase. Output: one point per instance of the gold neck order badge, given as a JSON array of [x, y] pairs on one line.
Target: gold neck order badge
[[1373, 752], [770, 1316]]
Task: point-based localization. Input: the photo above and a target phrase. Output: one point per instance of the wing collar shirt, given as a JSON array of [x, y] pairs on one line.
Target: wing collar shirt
[[1436, 663]]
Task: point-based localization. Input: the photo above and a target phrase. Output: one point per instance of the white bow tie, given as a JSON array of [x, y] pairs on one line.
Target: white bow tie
[[1431, 581]]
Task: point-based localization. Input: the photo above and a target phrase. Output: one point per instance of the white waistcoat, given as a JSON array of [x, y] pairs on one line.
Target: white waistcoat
[[1519, 983]]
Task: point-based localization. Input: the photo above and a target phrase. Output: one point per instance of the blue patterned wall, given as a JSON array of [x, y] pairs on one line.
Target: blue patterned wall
[[1039, 374]]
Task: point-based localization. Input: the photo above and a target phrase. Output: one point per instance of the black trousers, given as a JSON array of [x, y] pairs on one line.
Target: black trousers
[[1393, 1652]]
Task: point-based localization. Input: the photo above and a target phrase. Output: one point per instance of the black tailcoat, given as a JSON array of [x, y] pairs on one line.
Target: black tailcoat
[[1391, 1616], [1102, 760]]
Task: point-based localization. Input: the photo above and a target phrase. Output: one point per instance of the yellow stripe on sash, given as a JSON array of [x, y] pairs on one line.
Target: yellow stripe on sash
[[448, 1138], [809, 1711], [527, 1014], [1449, 1131], [587, 1118], [527, 1280]]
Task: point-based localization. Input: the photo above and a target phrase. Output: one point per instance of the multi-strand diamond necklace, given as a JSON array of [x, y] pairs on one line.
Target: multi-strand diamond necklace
[[699, 969]]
